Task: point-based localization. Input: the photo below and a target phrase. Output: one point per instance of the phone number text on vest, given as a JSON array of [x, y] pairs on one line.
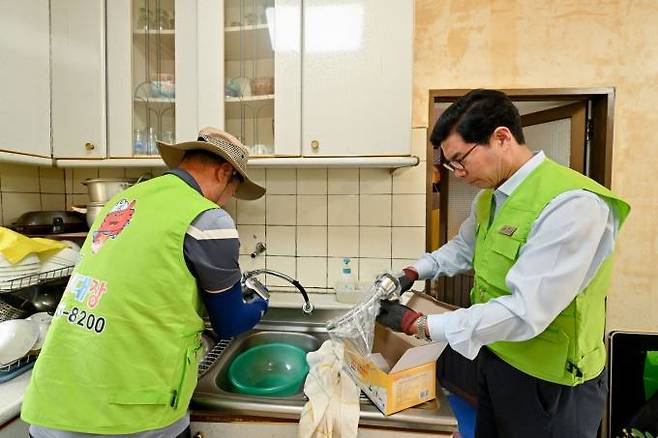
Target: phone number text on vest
[[87, 291]]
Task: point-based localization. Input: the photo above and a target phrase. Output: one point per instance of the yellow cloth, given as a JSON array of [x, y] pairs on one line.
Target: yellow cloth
[[16, 246], [333, 407]]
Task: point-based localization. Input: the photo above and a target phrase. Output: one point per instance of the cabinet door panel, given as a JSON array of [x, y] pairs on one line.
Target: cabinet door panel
[[25, 77], [356, 68], [78, 78]]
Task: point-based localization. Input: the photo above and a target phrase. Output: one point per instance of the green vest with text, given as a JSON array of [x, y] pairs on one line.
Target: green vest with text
[[571, 350], [121, 353]]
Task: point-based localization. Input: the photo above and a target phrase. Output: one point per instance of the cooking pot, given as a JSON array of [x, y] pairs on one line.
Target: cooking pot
[[93, 208], [49, 222], [101, 190]]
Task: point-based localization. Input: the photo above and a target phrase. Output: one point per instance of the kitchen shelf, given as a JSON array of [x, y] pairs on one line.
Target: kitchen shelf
[[262, 97], [35, 279], [155, 99], [250, 27], [259, 161], [154, 32]]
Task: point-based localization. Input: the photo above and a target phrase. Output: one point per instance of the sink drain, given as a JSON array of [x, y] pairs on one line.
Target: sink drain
[[213, 354]]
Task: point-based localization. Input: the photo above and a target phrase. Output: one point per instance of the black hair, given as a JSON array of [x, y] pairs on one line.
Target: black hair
[[476, 115], [203, 156]]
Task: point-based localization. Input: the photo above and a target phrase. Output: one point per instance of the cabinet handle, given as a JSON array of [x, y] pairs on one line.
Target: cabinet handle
[[198, 435], [89, 146], [315, 144]]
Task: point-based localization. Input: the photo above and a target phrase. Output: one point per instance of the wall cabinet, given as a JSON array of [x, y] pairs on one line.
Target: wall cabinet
[[78, 78], [357, 85], [25, 78], [152, 74], [291, 78], [337, 83]]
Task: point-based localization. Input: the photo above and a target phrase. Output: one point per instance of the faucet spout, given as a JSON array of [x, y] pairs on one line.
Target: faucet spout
[[307, 308]]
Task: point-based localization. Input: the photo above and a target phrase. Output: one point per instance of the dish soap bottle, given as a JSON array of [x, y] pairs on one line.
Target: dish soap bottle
[[345, 286]]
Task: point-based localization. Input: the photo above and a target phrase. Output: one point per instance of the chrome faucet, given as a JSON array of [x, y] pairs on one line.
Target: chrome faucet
[[249, 281]]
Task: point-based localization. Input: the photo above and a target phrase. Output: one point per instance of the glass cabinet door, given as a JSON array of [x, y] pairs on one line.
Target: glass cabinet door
[[261, 42], [153, 75]]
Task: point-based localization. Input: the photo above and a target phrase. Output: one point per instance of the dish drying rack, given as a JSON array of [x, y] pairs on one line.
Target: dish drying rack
[[35, 279], [18, 363]]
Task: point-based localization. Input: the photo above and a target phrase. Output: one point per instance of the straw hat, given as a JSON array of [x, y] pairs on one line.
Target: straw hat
[[222, 144]]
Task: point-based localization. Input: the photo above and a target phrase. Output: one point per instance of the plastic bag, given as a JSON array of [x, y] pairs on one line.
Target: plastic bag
[[357, 326]]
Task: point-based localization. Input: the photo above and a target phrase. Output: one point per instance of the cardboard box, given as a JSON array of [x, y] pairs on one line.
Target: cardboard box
[[411, 379]]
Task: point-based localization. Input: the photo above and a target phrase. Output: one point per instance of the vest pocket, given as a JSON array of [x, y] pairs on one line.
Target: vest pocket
[[506, 246]]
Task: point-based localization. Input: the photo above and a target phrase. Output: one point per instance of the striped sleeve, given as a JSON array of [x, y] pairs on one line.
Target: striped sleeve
[[211, 250]]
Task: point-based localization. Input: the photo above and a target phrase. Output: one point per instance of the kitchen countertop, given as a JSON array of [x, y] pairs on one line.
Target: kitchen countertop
[[11, 396], [11, 392]]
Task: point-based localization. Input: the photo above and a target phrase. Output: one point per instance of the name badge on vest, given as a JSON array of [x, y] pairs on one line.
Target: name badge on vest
[[507, 230]]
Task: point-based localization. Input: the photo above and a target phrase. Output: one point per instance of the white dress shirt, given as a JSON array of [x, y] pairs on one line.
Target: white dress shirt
[[565, 247]]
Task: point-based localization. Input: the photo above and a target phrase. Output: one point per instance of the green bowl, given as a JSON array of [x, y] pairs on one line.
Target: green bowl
[[274, 369]]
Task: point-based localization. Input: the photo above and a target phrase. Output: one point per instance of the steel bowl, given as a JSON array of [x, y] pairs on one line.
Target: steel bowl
[[93, 208], [102, 190]]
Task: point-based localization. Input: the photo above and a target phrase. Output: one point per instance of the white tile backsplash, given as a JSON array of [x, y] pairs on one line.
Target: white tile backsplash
[[410, 179], [343, 181], [375, 210], [281, 181], [281, 240], [343, 210], [408, 242], [375, 181], [249, 264], [19, 178], [53, 201], [309, 219], [281, 209], [15, 204], [311, 241], [312, 210], [285, 265], [51, 180], [250, 235], [343, 241], [251, 212], [312, 181], [370, 268], [312, 271], [375, 242], [409, 210]]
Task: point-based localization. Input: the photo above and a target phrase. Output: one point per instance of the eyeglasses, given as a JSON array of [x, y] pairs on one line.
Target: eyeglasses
[[457, 164], [237, 176]]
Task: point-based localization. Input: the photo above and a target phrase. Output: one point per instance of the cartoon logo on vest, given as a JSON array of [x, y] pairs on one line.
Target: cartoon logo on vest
[[113, 223]]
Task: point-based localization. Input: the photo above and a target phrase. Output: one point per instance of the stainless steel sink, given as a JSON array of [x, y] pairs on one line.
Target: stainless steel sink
[[213, 392]]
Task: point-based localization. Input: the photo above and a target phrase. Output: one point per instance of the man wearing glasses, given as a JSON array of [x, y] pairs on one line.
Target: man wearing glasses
[[540, 238]]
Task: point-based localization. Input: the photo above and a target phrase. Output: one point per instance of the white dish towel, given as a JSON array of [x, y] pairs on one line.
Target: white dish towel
[[333, 408]]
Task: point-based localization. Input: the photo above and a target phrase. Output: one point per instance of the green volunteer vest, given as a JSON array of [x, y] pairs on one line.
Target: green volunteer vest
[[121, 353], [571, 349]]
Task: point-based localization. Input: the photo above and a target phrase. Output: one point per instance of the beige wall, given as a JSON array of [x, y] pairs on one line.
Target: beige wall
[[565, 43]]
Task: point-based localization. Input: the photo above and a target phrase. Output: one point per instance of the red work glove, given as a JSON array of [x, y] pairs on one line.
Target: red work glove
[[397, 316], [407, 278]]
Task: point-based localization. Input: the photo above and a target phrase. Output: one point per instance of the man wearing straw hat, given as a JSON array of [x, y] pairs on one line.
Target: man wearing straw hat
[[121, 354]]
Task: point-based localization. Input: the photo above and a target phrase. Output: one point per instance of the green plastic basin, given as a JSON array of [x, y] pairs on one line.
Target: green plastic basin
[[274, 369]]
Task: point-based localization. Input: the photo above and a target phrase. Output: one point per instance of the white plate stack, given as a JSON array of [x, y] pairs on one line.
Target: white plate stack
[[29, 266], [64, 258]]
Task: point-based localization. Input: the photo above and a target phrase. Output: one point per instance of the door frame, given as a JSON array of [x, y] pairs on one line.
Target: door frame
[[597, 160]]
